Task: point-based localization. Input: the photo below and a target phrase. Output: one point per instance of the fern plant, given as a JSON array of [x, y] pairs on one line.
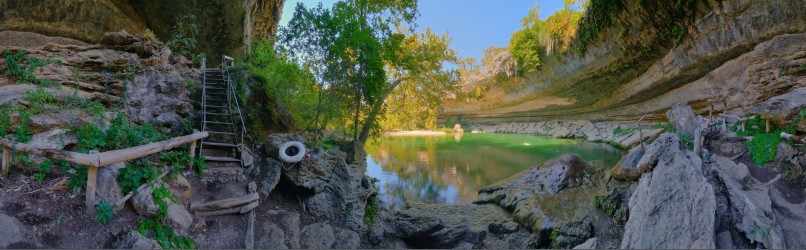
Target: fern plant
[[104, 212]]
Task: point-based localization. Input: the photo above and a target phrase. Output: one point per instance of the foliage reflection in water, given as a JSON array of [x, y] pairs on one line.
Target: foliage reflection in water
[[451, 169]]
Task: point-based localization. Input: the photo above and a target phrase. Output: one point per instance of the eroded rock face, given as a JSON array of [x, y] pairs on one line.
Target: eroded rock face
[[683, 119], [783, 110], [108, 187], [582, 129], [546, 194], [339, 190], [627, 167], [449, 226], [751, 207], [673, 205], [140, 75], [230, 27], [731, 56]]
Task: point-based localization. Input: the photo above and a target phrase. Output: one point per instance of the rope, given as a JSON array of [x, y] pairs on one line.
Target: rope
[[289, 168]]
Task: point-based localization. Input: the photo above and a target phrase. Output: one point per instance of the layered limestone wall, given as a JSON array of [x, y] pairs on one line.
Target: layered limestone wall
[[225, 27], [735, 54]]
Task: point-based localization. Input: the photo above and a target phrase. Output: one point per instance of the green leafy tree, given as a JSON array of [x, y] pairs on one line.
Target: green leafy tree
[[362, 51]]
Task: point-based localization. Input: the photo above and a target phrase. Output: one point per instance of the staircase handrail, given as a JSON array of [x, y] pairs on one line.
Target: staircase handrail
[[231, 86]]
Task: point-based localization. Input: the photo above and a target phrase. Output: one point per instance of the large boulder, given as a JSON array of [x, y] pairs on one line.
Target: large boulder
[[108, 189], [683, 119], [674, 205], [423, 225], [338, 191], [273, 142], [750, 204], [627, 167], [545, 194], [53, 139], [270, 176]]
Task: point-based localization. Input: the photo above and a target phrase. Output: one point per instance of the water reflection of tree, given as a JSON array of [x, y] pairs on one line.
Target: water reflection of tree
[[431, 169]]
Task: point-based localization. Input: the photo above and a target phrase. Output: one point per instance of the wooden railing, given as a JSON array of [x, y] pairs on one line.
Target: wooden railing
[[95, 160]]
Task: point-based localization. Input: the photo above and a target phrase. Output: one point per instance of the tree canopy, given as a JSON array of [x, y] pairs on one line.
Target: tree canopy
[[363, 51]]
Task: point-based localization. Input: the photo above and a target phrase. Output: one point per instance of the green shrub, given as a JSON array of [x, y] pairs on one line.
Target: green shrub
[[43, 171], [686, 139], [374, 205], [123, 134], [135, 174], [89, 137], [164, 235], [38, 100], [328, 144], [622, 132], [22, 66], [199, 166], [178, 160], [161, 197], [77, 177], [185, 32], [22, 131], [763, 147], [104, 212], [5, 119]]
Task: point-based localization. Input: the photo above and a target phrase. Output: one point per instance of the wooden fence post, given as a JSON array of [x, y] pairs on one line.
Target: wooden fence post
[[6, 160], [92, 174], [193, 146], [767, 123]]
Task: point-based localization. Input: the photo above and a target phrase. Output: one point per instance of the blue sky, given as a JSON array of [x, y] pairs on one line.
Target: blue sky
[[473, 24]]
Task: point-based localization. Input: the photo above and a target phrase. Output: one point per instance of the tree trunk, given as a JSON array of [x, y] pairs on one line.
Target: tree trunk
[[373, 114], [316, 119]]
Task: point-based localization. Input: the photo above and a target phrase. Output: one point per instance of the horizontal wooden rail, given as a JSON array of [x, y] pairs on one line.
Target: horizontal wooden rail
[[94, 160]]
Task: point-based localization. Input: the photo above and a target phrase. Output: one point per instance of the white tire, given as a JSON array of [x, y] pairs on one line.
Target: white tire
[[290, 148]]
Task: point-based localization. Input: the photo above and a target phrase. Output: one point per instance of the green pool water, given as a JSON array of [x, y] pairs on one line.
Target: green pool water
[[451, 168]]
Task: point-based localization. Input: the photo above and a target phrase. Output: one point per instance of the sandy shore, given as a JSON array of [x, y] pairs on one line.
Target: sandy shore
[[416, 133]]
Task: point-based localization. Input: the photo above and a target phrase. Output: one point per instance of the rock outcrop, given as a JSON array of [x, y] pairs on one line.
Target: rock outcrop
[[226, 27], [545, 195], [141, 76], [448, 226], [733, 54], [673, 206], [337, 190], [580, 129]]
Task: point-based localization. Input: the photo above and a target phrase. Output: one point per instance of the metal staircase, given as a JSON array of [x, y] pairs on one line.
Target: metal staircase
[[220, 117]]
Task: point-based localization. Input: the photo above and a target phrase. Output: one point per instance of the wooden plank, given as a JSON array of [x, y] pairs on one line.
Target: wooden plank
[[231, 210], [115, 156], [248, 207], [220, 158], [249, 242], [73, 157], [109, 157], [6, 160], [219, 144], [225, 203]]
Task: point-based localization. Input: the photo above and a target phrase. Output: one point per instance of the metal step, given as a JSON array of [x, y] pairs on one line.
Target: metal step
[[210, 113], [213, 88], [225, 123], [220, 144], [220, 133], [221, 159], [214, 106]]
